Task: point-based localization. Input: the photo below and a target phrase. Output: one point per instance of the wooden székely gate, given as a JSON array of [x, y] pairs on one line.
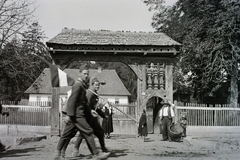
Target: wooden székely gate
[[138, 50]]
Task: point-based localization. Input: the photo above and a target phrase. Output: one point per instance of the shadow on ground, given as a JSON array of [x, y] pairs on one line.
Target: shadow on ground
[[19, 152], [118, 153]]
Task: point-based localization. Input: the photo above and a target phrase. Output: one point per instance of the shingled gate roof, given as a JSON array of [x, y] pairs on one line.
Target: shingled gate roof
[[106, 37], [113, 86]]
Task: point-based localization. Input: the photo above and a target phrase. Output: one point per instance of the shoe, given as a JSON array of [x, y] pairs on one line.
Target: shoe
[[75, 153], [63, 154], [4, 148], [164, 139], [57, 155], [106, 150], [101, 155]]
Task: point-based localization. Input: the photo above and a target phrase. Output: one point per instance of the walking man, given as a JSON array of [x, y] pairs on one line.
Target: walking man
[[76, 109], [92, 119]]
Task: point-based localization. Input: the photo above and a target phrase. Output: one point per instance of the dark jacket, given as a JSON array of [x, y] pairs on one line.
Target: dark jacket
[[107, 123], [142, 128], [77, 101], [92, 100]]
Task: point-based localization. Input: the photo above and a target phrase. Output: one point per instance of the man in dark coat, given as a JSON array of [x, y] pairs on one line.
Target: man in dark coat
[[92, 119], [76, 109]]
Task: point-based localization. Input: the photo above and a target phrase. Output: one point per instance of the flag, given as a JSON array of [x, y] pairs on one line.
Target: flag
[[64, 109], [60, 78]]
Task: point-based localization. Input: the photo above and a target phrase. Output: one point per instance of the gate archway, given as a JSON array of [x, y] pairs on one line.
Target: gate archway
[[153, 105], [149, 55]]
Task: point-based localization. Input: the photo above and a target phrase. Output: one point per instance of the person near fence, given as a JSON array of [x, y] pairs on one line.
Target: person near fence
[[166, 118], [142, 127], [2, 146], [93, 98], [76, 108], [183, 123], [107, 122], [1, 111]]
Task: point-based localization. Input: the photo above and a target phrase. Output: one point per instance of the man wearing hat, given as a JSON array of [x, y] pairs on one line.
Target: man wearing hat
[[76, 108], [92, 118], [166, 117]]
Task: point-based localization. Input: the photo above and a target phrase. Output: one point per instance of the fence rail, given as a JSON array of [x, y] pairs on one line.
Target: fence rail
[[28, 103], [127, 112], [26, 115], [205, 105], [201, 115], [197, 114]]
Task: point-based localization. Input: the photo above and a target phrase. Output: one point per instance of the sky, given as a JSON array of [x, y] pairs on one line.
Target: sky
[[114, 15]]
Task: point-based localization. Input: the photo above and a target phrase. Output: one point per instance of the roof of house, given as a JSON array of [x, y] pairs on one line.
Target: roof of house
[[113, 86], [105, 37]]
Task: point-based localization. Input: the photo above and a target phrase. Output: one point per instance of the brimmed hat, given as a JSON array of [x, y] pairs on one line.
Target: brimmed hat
[[165, 101]]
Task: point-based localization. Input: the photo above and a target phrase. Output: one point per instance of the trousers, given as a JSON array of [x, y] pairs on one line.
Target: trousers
[[97, 130], [71, 128], [166, 123]]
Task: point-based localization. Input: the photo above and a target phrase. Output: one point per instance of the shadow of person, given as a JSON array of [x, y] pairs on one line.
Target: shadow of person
[[18, 152], [118, 153]]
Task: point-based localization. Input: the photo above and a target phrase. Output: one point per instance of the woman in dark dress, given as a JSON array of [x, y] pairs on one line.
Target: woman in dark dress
[[107, 122], [142, 128]]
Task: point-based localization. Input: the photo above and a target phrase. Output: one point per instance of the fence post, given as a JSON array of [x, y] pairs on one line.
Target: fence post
[[55, 112]]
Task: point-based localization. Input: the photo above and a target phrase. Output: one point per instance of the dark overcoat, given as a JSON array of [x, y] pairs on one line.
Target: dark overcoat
[[107, 123], [142, 128]]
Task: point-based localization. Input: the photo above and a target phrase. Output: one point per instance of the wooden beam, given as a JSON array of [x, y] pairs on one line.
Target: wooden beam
[[63, 59], [140, 52], [55, 125]]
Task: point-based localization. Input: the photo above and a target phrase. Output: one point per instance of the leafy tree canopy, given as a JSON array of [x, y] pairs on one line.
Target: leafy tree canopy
[[207, 30], [19, 65]]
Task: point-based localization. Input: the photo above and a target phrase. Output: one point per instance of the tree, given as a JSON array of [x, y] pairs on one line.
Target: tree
[[14, 17], [19, 66], [208, 32]]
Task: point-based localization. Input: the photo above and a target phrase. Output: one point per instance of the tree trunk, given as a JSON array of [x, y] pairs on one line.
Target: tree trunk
[[234, 85]]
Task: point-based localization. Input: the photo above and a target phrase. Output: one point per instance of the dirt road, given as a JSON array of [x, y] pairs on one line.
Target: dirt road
[[195, 146]]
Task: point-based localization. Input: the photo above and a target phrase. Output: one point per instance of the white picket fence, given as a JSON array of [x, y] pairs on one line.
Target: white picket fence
[[205, 115], [26, 115], [197, 115]]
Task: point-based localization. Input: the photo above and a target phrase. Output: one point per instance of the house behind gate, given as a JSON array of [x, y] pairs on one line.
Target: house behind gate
[[113, 91]]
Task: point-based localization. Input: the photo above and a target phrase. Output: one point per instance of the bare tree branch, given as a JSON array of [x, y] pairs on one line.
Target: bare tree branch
[[14, 15]]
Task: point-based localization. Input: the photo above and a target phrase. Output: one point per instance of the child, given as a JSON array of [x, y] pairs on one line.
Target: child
[[183, 123]]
